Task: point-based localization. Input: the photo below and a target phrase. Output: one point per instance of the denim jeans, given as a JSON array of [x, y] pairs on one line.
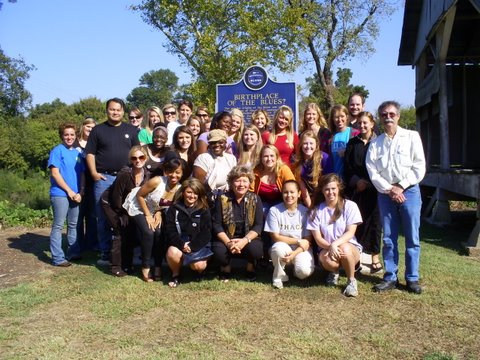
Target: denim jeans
[[63, 209], [104, 230], [408, 214]]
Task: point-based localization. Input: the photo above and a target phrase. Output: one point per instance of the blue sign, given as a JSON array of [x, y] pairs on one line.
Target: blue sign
[[257, 91]]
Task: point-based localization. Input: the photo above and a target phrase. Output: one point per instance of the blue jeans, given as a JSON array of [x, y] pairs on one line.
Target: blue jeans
[[104, 230], [408, 214], [63, 209]]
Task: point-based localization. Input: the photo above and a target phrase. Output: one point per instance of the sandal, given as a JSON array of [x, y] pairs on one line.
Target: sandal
[[174, 282], [376, 267], [146, 278]]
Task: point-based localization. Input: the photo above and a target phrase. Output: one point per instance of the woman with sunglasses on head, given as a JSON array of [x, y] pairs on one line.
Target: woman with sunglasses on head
[[153, 117], [124, 229], [135, 118], [203, 114], [146, 206], [157, 149], [188, 228], [283, 135]]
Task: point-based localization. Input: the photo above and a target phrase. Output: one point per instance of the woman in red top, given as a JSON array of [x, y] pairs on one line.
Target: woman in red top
[[282, 136]]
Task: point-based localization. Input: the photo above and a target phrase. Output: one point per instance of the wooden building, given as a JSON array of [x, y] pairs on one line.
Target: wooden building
[[441, 40]]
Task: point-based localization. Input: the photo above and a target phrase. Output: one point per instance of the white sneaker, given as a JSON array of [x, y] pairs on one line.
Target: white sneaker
[[278, 284], [332, 279], [351, 289]]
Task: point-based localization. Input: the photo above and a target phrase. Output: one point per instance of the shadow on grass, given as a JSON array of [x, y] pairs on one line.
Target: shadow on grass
[[450, 236], [32, 243]]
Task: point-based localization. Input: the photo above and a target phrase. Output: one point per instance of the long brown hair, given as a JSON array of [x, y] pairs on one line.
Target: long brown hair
[[316, 159], [318, 198], [253, 157]]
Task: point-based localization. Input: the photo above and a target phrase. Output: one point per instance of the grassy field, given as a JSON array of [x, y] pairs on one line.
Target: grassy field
[[82, 312]]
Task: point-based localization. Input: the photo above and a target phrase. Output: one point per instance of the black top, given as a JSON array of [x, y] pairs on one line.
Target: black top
[[111, 145], [121, 187], [195, 226], [239, 216], [354, 161]]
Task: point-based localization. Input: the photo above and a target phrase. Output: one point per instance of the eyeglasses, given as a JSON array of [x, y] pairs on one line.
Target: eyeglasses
[[134, 117], [135, 158], [202, 115], [169, 113], [386, 115]]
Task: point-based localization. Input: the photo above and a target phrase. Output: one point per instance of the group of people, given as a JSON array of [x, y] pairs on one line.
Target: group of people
[[191, 189]]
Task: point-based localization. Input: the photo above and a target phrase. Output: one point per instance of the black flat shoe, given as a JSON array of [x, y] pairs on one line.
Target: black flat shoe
[[119, 273], [385, 286], [414, 287], [224, 276], [251, 276]]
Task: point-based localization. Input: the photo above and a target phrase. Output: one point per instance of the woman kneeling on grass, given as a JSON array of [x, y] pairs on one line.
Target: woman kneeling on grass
[[286, 223], [188, 227], [333, 221]]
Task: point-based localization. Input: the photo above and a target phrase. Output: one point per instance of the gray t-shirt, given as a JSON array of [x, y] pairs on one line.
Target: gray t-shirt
[[282, 222]]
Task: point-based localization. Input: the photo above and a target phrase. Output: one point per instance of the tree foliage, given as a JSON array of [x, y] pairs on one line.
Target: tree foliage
[[10, 1], [219, 39], [157, 87], [340, 92], [14, 98]]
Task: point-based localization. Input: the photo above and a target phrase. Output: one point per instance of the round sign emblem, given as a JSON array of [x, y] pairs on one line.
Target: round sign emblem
[[255, 77]]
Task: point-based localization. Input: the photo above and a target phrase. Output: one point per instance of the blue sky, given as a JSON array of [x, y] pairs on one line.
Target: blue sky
[[101, 48]]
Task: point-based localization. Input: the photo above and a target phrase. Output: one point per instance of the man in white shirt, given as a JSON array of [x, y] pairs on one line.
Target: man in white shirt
[[396, 165]]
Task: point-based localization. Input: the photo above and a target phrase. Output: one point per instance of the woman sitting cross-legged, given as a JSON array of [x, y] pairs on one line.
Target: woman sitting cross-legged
[[188, 227], [237, 223], [333, 221], [286, 223]]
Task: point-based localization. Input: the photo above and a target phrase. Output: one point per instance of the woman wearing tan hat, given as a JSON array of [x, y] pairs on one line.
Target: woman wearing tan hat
[[212, 167]]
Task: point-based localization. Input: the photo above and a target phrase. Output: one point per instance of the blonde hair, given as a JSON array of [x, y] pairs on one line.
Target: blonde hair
[[279, 163], [147, 125], [253, 156], [87, 121], [255, 115], [316, 159], [238, 135], [272, 139], [320, 121]]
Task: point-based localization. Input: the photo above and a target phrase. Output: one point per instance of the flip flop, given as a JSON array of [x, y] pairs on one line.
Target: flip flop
[[376, 267]]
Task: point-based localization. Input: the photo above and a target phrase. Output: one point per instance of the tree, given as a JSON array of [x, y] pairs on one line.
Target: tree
[[10, 1], [340, 92], [337, 30], [14, 98], [218, 39], [157, 87]]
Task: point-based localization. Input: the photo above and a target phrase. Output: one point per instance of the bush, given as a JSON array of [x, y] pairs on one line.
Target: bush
[[20, 215], [30, 189]]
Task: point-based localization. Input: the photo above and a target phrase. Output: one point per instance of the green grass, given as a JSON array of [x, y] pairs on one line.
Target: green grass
[[81, 312]]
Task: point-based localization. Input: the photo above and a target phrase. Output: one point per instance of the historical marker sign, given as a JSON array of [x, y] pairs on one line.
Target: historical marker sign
[[257, 91]]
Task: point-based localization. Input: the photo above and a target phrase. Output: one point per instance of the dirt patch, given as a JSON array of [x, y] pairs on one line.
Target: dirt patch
[[23, 255]]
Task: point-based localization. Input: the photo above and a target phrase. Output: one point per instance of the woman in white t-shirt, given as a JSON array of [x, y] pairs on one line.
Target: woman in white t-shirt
[[333, 221], [286, 223]]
